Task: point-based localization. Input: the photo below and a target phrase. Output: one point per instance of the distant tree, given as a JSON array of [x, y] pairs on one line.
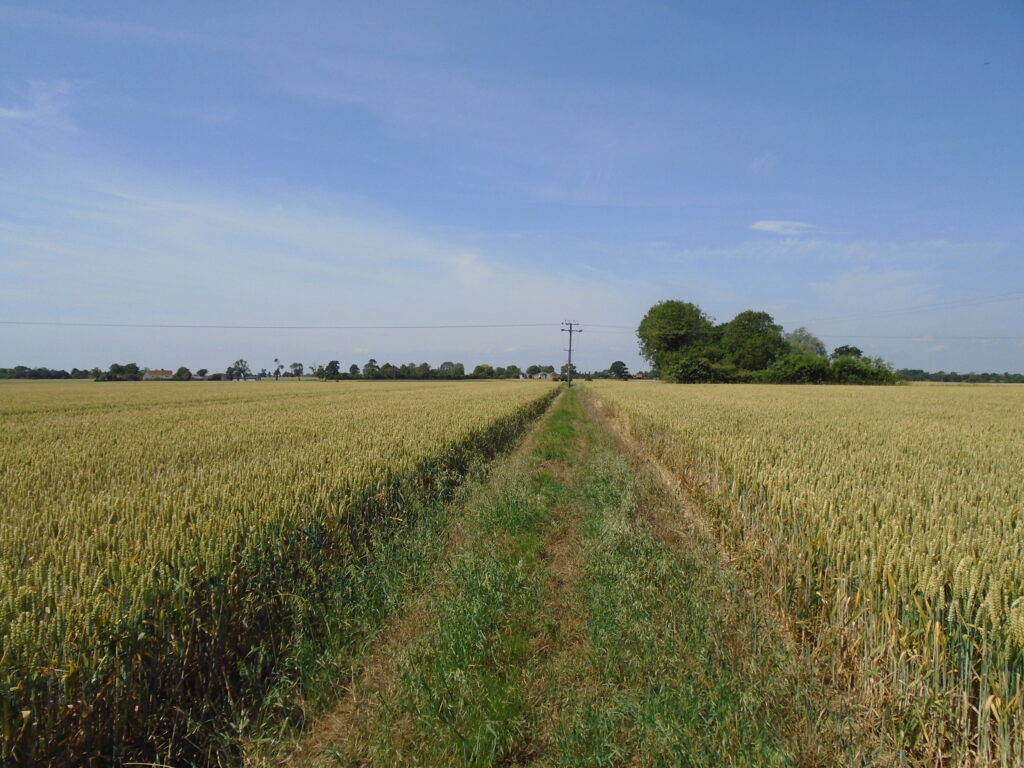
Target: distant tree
[[564, 372], [752, 340], [482, 371], [238, 370], [202, 372], [547, 369], [388, 371], [117, 372], [618, 369], [297, 369], [332, 370], [353, 370], [512, 371], [182, 374], [278, 367], [371, 370], [803, 342], [446, 370], [532, 370], [846, 351]]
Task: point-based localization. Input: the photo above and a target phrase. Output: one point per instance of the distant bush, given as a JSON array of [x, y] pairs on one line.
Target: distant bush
[[862, 370], [688, 368], [799, 368]]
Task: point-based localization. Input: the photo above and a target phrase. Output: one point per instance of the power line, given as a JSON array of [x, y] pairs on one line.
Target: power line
[[921, 337], [570, 330], [1010, 296], [273, 327]]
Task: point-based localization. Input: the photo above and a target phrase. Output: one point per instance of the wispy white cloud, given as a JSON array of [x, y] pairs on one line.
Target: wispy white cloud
[[40, 103], [782, 227]]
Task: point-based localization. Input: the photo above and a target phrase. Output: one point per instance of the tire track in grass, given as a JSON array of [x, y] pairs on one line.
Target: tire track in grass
[[450, 683], [580, 616], [678, 669]]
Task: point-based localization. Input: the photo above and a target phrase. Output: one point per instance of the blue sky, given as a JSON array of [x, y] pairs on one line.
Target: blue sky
[[857, 168]]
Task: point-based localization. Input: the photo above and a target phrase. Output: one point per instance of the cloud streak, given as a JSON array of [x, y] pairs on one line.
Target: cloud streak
[[782, 227]]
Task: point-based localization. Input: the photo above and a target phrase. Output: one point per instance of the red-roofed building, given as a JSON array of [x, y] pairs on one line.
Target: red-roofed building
[[157, 374]]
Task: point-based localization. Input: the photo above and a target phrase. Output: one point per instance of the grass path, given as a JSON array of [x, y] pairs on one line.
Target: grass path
[[576, 614]]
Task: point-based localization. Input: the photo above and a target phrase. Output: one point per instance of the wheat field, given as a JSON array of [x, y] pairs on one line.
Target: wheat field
[[890, 522], [161, 542]]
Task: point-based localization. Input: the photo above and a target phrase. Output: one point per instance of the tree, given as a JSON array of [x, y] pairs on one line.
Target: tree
[[513, 371], [297, 369], [182, 374], [803, 342], [482, 371], [371, 370], [238, 370], [332, 370], [619, 370], [202, 372], [846, 351], [752, 340], [532, 370], [564, 372], [388, 371], [116, 372], [674, 326], [277, 368], [353, 370], [446, 370]]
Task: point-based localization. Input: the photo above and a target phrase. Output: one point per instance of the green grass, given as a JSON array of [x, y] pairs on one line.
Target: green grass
[[576, 619]]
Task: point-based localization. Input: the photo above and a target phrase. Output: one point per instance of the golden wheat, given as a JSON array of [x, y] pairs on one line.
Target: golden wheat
[[155, 536], [895, 516]]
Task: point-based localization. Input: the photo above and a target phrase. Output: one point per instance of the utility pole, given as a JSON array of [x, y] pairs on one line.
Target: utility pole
[[570, 330]]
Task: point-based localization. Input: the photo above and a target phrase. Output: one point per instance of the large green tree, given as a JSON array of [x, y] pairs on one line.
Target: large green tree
[[752, 340], [671, 327]]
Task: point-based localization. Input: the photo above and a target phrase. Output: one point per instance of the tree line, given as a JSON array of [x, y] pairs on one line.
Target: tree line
[[916, 374], [331, 371], [683, 344]]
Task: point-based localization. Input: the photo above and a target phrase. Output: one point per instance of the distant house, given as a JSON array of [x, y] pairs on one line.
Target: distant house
[[157, 374], [545, 376]]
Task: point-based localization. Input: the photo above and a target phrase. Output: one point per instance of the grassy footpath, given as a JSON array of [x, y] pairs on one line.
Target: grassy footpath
[[575, 617]]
